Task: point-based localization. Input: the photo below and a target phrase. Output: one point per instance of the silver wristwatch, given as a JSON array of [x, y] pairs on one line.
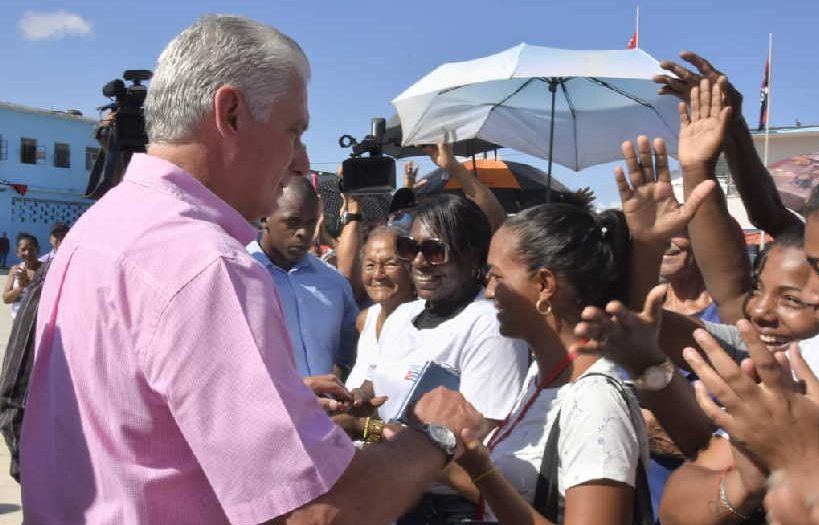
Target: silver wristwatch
[[443, 438], [655, 378]]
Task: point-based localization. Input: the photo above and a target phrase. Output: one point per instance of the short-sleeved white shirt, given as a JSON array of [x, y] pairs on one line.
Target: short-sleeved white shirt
[[601, 437], [492, 366], [367, 350]]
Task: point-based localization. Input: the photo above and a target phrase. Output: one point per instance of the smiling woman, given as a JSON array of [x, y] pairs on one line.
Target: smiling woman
[[451, 322]]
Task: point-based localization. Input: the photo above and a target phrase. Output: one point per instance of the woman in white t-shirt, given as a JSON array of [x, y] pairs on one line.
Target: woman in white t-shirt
[[545, 265], [451, 322], [386, 279]]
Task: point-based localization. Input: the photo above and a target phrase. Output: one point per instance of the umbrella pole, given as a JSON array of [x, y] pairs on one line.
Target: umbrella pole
[[553, 90]]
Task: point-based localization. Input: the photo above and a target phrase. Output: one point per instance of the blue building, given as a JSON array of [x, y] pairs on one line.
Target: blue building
[[45, 160]]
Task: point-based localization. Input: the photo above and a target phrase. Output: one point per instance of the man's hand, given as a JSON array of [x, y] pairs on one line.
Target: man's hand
[[332, 395], [702, 132], [629, 339], [770, 420], [450, 409], [686, 79], [652, 212]]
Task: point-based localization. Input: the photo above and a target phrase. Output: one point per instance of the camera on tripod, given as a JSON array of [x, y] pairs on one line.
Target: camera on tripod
[[122, 133], [373, 174]]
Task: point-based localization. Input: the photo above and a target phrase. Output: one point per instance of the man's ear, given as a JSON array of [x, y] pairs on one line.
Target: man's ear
[[228, 108]]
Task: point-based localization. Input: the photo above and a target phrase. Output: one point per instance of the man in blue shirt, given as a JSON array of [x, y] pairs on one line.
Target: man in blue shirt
[[317, 300]]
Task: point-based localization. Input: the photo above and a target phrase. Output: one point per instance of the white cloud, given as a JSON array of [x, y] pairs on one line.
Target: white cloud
[[53, 25]]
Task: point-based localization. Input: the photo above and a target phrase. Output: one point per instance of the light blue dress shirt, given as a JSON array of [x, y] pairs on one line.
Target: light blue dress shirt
[[320, 312]]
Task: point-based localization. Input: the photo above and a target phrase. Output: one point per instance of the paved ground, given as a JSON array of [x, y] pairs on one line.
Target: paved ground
[[10, 513]]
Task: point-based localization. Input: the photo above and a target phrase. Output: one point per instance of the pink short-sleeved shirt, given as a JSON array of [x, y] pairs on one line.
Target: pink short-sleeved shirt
[[164, 388]]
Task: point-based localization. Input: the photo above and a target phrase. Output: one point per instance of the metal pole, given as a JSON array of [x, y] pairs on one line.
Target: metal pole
[[767, 123], [553, 89]]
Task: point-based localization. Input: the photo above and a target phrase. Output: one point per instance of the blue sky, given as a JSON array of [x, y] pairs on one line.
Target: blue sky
[[365, 53]]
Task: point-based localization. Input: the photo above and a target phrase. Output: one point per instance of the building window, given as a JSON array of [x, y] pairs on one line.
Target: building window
[[62, 155], [91, 157], [28, 151], [4, 148]]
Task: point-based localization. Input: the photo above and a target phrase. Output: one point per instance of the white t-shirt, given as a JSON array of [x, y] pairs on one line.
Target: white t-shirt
[[367, 349], [492, 366], [601, 437], [810, 351]]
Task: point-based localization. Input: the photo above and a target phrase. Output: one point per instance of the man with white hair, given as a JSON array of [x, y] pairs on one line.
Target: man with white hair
[[164, 388]]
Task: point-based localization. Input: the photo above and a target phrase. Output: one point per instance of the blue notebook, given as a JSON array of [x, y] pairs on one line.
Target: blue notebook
[[431, 376]]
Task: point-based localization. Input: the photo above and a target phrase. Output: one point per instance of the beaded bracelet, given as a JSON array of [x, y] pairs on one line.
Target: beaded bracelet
[[723, 497]]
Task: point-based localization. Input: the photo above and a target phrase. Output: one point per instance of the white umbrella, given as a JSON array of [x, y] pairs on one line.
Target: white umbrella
[[568, 106]]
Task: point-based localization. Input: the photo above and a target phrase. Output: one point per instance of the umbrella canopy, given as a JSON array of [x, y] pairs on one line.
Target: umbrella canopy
[[599, 99], [795, 177], [462, 148], [517, 186]]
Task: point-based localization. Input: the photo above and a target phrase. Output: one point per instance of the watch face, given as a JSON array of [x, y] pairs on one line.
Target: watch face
[[443, 435]]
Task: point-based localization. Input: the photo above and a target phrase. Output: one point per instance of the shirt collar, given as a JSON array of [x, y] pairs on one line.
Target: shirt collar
[[255, 249], [155, 173]]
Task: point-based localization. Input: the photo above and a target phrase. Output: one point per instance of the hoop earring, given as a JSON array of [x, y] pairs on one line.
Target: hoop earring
[[539, 307]]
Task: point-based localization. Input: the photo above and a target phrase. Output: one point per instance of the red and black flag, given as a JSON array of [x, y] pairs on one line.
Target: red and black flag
[[763, 97]]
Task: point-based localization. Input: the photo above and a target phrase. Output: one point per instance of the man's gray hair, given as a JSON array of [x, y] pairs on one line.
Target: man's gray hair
[[215, 51]]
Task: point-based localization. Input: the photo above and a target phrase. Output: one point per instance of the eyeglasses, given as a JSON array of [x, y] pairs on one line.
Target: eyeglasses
[[435, 251]]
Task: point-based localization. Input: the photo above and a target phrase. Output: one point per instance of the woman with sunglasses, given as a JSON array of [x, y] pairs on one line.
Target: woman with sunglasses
[[451, 322]]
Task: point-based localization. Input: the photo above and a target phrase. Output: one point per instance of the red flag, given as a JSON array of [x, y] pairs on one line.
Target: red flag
[[763, 97], [632, 42], [20, 188]]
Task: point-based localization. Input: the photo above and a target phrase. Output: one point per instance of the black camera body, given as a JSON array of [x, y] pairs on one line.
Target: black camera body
[[368, 175], [123, 135]]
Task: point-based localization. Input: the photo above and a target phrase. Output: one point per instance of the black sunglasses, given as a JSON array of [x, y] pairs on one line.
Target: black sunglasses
[[435, 251]]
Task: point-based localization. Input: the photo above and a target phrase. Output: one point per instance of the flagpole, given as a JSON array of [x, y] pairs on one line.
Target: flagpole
[[768, 103], [637, 28], [767, 121]]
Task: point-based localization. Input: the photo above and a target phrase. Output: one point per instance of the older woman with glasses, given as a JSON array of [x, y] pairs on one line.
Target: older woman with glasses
[[451, 323]]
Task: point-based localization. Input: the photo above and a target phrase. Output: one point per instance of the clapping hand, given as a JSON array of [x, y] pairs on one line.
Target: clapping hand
[[652, 212]]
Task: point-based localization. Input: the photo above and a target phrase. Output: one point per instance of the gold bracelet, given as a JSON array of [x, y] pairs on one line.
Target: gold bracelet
[[366, 429], [375, 432], [485, 474]]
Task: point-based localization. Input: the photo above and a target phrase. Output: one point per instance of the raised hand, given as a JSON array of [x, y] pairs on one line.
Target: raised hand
[[441, 154], [410, 174], [702, 132], [652, 212], [769, 420], [680, 85]]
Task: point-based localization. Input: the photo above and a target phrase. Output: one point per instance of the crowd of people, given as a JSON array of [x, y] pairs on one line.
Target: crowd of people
[[618, 367]]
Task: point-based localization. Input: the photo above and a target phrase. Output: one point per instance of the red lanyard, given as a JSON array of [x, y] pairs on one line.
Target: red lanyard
[[547, 380], [499, 435]]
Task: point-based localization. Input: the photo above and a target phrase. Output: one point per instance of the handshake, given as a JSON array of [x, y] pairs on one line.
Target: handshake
[[353, 410]]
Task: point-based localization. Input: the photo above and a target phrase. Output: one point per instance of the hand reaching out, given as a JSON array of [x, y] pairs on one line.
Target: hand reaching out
[[652, 212], [702, 132], [628, 338], [680, 86], [770, 420]]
